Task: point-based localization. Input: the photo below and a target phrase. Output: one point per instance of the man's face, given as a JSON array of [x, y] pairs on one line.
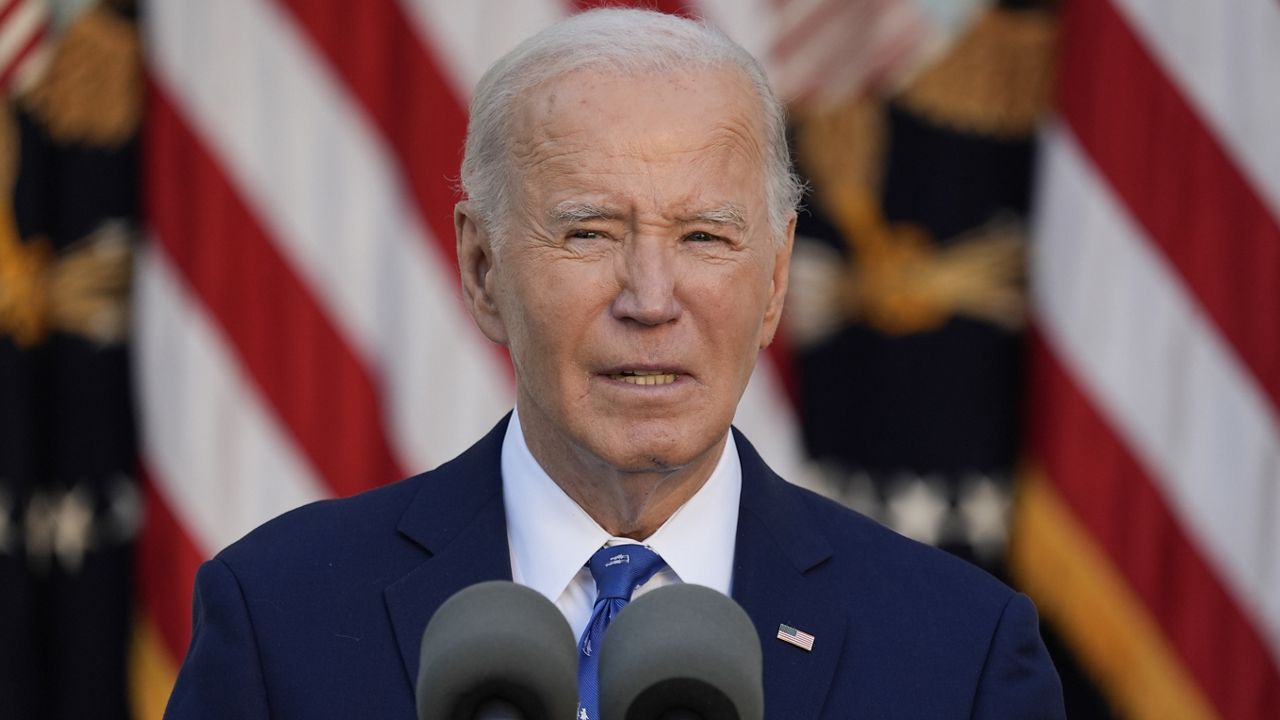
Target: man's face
[[638, 277]]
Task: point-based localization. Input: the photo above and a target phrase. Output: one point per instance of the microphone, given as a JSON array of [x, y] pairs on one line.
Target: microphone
[[497, 650], [681, 651]]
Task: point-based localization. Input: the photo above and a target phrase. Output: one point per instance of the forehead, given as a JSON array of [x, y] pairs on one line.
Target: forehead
[[689, 131]]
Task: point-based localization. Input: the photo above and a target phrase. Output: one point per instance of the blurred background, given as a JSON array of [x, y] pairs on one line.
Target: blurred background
[[1035, 311]]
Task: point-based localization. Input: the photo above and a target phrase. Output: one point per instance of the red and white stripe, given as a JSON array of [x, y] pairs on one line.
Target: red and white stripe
[[1156, 291], [825, 51], [301, 334], [24, 42]]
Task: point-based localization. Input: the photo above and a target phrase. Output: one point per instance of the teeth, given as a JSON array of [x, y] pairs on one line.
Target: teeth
[[647, 377]]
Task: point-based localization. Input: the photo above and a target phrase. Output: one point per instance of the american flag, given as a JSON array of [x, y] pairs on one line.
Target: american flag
[[1150, 527], [24, 42], [799, 638], [300, 333]]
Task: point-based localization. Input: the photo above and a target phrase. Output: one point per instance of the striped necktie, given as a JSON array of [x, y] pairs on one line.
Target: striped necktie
[[618, 571]]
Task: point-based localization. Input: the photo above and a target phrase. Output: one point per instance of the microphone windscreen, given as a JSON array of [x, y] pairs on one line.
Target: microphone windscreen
[[681, 649], [495, 644]]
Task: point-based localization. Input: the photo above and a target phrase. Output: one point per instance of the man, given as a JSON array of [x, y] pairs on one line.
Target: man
[[626, 234]]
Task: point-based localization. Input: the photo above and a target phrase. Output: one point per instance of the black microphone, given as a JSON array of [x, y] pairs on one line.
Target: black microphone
[[497, 650], [681, 651]]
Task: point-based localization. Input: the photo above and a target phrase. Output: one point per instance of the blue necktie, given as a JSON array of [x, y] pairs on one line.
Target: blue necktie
[[618, 571]]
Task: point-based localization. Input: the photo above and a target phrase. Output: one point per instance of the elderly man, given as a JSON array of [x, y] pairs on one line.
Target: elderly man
[[626, 234]]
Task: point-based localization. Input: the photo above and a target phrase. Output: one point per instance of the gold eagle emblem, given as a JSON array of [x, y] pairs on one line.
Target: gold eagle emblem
[[994, 81]]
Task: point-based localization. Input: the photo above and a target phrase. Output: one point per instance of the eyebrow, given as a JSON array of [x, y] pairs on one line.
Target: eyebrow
[[727, 214], [573, 211]]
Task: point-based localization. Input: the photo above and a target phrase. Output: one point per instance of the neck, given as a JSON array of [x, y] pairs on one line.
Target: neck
[[626, 502], [635, 504]]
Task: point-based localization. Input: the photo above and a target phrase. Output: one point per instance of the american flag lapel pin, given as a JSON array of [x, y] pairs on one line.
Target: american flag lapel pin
[[799, 638]]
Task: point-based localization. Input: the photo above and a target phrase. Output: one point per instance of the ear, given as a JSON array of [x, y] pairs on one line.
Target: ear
[[477, 267], [778, 285]]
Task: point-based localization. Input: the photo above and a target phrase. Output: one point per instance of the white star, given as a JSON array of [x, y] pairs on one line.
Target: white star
[[826, 479], [72, 528], [984, 505], [860, 494], [124, 510], [918, 508]]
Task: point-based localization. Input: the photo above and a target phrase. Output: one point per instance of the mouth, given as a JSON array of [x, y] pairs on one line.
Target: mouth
[[645, 377]]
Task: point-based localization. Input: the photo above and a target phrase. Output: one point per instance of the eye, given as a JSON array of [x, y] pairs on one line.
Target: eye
[[700, 236], [584, 235]]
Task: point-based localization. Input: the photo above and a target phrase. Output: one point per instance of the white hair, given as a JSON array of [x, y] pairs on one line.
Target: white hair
[[626, 42]]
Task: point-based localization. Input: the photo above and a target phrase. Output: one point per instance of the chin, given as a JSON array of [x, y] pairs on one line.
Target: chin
[[640, 459], [641, 449]]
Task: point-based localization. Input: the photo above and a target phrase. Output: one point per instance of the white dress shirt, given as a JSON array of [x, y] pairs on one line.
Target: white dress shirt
[[552, 538]]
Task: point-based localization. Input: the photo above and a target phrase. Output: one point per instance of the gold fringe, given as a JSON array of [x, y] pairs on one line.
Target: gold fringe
[[152, 672], [996, 80], [1077, 588], [92, 91]]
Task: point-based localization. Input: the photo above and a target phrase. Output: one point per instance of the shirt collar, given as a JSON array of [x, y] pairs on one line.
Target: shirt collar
[[551, 537]]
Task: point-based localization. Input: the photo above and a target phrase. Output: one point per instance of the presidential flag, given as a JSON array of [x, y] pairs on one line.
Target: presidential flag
[[909, 300], [68, 498]]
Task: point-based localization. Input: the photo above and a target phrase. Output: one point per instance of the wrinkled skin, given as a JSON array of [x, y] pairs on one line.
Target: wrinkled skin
[[638, 242]]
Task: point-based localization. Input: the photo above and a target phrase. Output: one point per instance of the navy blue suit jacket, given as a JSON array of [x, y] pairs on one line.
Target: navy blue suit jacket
[[319, 613]]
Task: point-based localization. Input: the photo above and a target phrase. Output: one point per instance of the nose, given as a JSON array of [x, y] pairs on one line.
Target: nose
[[647, 279]]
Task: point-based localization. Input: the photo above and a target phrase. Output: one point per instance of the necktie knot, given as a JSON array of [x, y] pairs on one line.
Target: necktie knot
[[620, 569]]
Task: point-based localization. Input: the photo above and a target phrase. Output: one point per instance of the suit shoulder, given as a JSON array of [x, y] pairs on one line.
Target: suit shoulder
[[325, 527], [925, 619], [370, 521], [379, 531]]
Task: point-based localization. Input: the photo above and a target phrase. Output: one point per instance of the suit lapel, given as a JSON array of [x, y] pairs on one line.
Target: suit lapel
[[775, 578], [459, 521]]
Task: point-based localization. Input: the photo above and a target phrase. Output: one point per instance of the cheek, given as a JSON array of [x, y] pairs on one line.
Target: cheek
[[734, 309], [533, 337], [550, 318]]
